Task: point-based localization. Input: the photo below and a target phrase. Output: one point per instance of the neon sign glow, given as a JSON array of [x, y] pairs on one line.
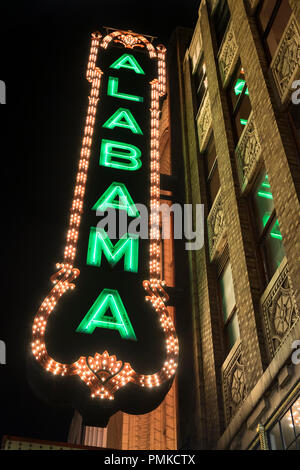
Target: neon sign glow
[[104, 373]]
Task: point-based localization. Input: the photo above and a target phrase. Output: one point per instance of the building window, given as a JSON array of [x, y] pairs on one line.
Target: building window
[[230, 319], [268, 231], [273, 16], [285, 434], [200, 81], [221, 17], [212, 172], [240, 102]]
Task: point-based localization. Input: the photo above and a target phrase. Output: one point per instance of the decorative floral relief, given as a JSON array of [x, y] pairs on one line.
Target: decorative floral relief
[[279, 310], [248, 152], [216, 227], [286, 62], [130, 41], [195, 49], [228, 55], [234, 384], [204, 122]]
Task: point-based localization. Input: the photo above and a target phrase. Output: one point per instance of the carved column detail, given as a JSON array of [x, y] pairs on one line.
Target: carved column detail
[[286, 62], [248, 152], [204, 122], [253, 4], [195, 49], [234, 383], [213, 4], [216, 227], [228, 55], [279, 309]]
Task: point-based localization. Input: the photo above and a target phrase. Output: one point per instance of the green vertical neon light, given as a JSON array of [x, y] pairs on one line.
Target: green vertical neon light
[[123, 118], [265, 195], [120, 155], [112, 90], [127, 246], [239, 86], [128, 61], [244, 122], [117, 197], [97, 317], [266, 217], [275, 233]]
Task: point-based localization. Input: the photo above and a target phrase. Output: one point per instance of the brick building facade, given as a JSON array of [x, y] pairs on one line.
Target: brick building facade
[[240, 151]]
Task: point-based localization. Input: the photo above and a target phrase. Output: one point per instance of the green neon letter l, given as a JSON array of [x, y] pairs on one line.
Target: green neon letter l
[[112, 90]]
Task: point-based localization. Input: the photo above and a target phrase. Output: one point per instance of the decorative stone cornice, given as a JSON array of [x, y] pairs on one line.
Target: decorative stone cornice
[[228, 55], [248, 152], [286, 62], [216, 227], [279, 309], [204, 122]]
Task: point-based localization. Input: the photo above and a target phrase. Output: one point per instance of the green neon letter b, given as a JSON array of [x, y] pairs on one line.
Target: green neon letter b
[[120, 156]]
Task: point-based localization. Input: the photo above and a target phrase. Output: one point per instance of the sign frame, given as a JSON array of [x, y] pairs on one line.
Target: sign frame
[[104, 373]]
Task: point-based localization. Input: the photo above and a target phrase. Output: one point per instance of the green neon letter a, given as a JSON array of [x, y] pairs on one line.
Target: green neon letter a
[[123, 118], [120, 155], [127, 246], [127, 61], [96, 317], [110, 199]]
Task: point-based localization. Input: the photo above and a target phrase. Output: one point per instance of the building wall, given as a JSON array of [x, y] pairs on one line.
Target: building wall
[[265, 378]]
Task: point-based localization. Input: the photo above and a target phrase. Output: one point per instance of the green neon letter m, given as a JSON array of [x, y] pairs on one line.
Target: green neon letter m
[[96, 317], [120, 156], [127, 246]]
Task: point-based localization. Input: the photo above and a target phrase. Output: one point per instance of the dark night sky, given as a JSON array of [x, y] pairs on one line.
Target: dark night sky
[[44, 49]]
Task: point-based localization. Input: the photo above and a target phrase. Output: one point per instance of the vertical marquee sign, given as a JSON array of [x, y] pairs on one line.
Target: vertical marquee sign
[[113, 331]]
